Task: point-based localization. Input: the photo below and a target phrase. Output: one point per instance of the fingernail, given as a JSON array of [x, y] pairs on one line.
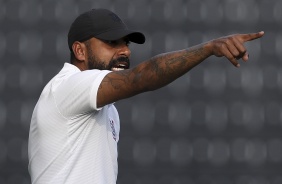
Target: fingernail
[[238, 65]]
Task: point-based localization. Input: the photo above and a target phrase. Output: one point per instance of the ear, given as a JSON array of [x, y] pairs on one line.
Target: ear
[[79, 50]]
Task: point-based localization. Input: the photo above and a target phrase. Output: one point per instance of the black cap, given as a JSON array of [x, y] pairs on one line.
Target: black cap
[[102, 24]]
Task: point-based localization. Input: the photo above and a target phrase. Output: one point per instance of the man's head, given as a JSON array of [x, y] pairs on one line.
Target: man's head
[[99, 35]]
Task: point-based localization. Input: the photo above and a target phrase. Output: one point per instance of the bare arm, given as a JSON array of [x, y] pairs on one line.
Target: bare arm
[[165, 68]]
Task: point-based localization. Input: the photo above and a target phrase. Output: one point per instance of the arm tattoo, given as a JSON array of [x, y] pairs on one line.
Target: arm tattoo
[[177, 62], [149, 75]]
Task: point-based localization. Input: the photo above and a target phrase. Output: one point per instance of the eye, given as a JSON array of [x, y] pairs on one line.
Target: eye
[[111, 42], [118, 42]]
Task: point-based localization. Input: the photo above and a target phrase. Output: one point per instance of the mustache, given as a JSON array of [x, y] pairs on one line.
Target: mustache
[[122, 59]]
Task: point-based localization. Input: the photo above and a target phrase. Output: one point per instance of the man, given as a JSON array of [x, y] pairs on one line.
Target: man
[[75, 127]]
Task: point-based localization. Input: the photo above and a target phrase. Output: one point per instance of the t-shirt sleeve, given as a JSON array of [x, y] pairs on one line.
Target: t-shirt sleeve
[[78, 94]]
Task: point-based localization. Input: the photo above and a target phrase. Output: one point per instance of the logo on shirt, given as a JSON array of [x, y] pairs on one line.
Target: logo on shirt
[[112, 125]]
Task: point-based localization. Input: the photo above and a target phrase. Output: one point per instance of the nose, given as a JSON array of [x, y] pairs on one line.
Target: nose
[[124, 50]]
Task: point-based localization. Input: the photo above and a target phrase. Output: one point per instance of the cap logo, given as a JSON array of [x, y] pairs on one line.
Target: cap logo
[[115, 17]]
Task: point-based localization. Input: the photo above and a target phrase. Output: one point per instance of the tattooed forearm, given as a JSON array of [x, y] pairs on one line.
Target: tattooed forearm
[[164, 68], [150, 75], [186, 59]]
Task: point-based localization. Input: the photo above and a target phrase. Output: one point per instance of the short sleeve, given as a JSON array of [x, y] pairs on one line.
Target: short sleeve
[[78, 93]]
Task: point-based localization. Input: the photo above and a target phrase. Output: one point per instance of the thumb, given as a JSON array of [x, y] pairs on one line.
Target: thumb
[[245, 57]]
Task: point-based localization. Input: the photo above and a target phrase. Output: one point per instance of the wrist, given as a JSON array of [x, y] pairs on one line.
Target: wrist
[[208, 48]]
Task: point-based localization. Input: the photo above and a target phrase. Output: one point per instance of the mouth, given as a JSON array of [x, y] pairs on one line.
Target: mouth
[[120, 66]]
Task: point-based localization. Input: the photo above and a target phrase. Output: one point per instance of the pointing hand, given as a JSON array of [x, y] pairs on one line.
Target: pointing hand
[[232, 47]]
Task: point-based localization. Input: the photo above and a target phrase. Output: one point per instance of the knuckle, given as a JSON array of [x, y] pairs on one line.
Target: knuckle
[[228, 41], [236, 53], [235, 39], [223, 44]]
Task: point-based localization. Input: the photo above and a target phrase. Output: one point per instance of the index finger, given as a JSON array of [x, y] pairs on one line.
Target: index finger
[[251, 36]]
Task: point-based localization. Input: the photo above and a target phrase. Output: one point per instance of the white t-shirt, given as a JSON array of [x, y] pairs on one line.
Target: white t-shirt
[[71, 141]]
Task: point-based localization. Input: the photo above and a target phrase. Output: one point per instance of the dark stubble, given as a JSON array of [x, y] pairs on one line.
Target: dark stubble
[[95, 63]]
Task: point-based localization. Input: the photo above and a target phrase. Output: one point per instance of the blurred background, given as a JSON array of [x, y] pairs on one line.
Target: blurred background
[[215, 125]]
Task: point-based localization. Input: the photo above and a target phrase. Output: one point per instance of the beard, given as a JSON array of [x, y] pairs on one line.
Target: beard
[[96, 63]]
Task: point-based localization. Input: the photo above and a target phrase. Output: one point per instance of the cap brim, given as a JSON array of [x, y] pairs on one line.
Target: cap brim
[[136, 37]]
